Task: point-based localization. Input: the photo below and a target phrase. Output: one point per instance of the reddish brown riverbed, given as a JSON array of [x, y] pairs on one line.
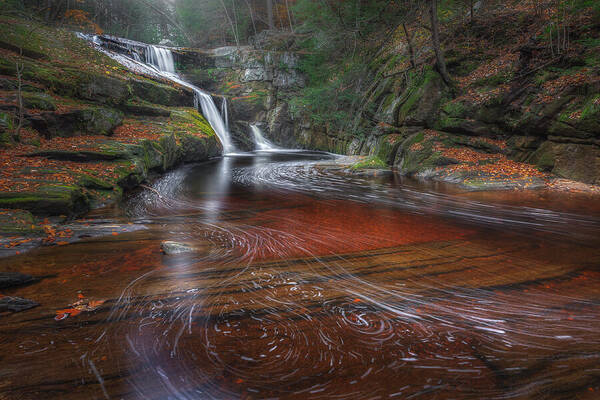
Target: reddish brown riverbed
[[307, 283]]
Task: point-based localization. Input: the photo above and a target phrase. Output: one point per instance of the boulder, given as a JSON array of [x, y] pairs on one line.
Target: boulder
[[88, 121], [15, 304], [11, 279], [173, 248], [157, 93], [48, 200]]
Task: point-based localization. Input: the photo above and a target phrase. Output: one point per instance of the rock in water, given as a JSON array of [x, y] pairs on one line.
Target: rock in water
[[9, 279], [172, 248], [15, 304]]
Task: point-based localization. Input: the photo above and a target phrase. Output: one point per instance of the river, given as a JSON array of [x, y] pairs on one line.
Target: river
[[309, 282]]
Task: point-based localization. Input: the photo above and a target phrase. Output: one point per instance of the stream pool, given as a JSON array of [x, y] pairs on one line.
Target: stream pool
[[309, 282]]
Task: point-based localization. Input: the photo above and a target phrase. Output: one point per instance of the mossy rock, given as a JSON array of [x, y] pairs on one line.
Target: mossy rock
[[23, 49], [145, 109], [387, 147], [157, 93], [38, 101], [91, 182], [12, 84], [186, 119], [77, 83], [88, 121], [416, 155], [19, 222], [6, 122], [48, 200], [85, 156], [195, 149], [423, 98], [373, 162]]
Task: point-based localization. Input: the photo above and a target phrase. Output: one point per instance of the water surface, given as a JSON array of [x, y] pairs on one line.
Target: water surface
[[311, 283]]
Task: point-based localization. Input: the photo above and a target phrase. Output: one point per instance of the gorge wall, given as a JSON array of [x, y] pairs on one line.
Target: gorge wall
[[512, 102]]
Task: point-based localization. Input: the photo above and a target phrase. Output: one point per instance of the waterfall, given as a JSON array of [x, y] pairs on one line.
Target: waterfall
[[224, 112], [160, 62], [210, 112], [260, 141], [161, 58]]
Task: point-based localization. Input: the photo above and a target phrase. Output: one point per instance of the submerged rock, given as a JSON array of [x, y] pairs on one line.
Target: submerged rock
[[15, 304], [173, 248], [10, 279]]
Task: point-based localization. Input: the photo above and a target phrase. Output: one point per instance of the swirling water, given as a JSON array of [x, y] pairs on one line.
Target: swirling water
[[308, 282]]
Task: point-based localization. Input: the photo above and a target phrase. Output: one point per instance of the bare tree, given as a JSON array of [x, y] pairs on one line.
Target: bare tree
[[270, 14], [289, 14], [411, 50], [20, 110], [435, 38], [231, 24]]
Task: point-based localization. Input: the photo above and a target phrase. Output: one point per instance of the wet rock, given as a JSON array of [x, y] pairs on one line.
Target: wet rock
[[16, 304], [10, 279], [173, 248]]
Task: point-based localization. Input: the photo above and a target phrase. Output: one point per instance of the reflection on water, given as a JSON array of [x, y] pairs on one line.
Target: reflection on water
[[309, 282]]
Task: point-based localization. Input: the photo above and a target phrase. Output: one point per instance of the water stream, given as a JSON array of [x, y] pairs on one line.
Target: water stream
[[160, 62], [259, 140], [307, 282]]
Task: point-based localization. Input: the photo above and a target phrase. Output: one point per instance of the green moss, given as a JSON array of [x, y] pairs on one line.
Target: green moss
[[39, 101], [19, 222], [48, 200], [373, 162], [495, 80], [454, 109], [91, 182], [186, 118]]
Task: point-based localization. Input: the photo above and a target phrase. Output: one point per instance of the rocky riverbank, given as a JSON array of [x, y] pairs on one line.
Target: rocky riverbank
[[90, 131]]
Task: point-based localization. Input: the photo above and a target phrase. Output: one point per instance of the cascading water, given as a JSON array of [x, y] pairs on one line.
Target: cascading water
[[224, 113], [260, 141], [210, 112], [160, 61], [161, 58]]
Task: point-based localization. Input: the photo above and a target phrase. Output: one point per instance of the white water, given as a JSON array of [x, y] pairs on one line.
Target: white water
[[224, 112], [210, 112], [161, 58], [260, 141], [159, 61]]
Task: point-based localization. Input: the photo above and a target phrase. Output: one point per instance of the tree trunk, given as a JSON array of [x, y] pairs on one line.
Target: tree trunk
[[270, 14], [289, 14], [471, 11], [231, 24], [435, 38], [48, 10], [411, 50], [251, 16], [17, 131]]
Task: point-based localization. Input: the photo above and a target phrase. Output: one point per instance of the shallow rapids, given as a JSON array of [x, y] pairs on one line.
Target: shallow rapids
[[306, 281]]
